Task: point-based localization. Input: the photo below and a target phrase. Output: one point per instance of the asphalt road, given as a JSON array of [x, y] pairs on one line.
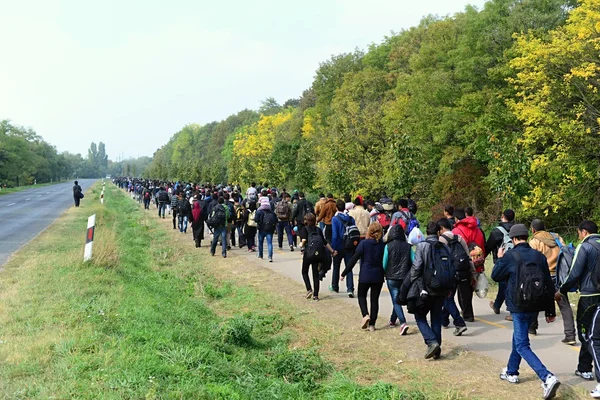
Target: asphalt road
[[25, 214]]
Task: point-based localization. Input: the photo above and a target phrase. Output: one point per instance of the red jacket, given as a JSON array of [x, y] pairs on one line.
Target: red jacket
[[467, 228]]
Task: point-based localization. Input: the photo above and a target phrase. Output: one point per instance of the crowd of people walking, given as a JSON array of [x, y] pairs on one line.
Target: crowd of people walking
[[425, 272]]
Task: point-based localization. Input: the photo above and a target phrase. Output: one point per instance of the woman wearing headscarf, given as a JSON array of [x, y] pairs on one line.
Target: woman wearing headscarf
[[197, 223], [250, 225]]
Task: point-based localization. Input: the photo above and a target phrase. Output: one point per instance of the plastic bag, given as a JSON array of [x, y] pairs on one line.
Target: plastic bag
[[482, 286], [415, 236]]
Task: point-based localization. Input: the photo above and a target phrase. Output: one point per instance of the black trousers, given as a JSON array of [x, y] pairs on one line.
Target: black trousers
[[315, 276], [77, 200], [586, 308], [465, 297], [363, 288], [174, 218]]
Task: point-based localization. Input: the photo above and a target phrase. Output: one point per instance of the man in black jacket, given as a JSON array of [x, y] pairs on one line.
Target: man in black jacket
[[580, 276], [492, 245], [508, 269], [77, 193], [303, 206]]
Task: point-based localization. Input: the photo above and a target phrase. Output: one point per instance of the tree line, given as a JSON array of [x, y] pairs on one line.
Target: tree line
[[491, 108], [26, 158]]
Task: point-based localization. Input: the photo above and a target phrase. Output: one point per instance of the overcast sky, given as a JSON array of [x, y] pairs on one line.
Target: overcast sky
[[132, 73]]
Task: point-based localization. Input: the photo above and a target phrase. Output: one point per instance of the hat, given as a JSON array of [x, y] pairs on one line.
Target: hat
[[518, 230]]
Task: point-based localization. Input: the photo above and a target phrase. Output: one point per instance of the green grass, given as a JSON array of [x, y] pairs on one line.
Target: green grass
[[4, 191], [138, 322]]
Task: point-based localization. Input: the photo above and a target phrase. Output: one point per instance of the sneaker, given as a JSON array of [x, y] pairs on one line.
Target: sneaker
[[351, 295], [469, 319], [212, 254], [371, 328], [270, 259], [309, 294], [588, 376], [365, 322], [437, 354], [508, 378], [224, 255], [432, 349], [508, 317], [403, 329], [391, 324], [532, 331], [459, 330], [569, 341], [291, 248], [596, 392], [260, 257], [316, 298], [550, 386], [496, 310], [331, 289], [445, 326]]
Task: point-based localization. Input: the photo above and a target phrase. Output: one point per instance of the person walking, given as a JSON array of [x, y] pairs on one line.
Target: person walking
[[283, 210], [325, 215], [339, 223], [498, 237], [184, 211], [580, 277], [218, 217], [361, 217], [163, 198], [371, 276], [266, 220], [396, 264], [307, 235], [529, 290], [77, 193], [197, 223], [250, 226]]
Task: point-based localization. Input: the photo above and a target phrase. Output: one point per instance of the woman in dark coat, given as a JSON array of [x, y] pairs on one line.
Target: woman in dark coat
[[250, 231], [197, 223]]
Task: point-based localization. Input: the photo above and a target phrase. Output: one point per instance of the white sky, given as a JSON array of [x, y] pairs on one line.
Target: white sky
[[132, 73]]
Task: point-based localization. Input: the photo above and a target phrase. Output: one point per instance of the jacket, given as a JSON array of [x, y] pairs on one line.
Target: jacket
[[506, 267], [545, 243], [465, 248], [260, 218], [396, 257], [361, 218], [496, 239], [338, 229], [328, 210], [300, 210], [184, 208], [469, 230], [404, 215], [370, 254], [174, 201], [584, 262], [319, 205], [422, 261]]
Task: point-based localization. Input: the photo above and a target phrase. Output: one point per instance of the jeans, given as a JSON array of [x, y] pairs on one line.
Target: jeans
[[281, 226], [335, 274], [397, 312], [501, 296], [261, 240], [220, 232], [363, 288], [451, 309], [146, 204], [521, 348], [431, 333], [183, 222], [162, 206]]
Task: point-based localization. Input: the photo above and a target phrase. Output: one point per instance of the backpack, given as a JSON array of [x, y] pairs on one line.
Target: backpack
[[146, 195], [163, 196], [282, 210], [595, 241], [315, 249], [507, 243], [460, 257], [269, 222], [251, 222], [440, 274], [530, 293], [239, 211], [411, 223], [384, 219], [351, 235], [217, 217]]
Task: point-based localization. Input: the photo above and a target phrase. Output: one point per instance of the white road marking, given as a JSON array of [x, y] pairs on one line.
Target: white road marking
[[11, 204], [28, 199], [39, 195]]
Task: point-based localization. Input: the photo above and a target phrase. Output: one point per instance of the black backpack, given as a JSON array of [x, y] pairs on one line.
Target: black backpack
[[460, 257], [269, 221], [315, 249], [163, 196], [530, 293], [351, 235], [217, 217], [595, 241], [440, 274]]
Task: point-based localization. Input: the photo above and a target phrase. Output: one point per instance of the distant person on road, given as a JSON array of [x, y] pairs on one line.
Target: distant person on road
[[77, 193]]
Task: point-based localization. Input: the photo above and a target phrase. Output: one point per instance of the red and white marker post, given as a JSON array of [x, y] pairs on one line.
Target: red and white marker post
[[89, 239]]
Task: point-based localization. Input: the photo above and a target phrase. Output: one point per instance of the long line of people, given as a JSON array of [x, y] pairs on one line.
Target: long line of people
[[424, 272]]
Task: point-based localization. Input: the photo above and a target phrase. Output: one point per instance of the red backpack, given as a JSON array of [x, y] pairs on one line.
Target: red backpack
[[383, 219]]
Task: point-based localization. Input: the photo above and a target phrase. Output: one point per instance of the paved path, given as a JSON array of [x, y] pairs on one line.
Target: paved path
[[25, 214], [489, 334]]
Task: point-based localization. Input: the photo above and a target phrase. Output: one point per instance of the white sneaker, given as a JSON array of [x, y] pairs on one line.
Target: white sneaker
[[550, 386], [596, 392], [508, 378], [588, 376]]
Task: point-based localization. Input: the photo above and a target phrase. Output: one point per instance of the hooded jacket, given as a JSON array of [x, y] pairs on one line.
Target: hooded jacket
[[449, 235], [362, 219], [506, 269], [584, 262], [328, 210], [422, 261], [396, 257], [496, 239], [545, 243], [469, 230], [370, 254], [338, 230]]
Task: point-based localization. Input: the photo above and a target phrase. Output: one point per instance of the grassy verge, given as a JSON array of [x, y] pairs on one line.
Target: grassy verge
[[141, 321], [4, 191]]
